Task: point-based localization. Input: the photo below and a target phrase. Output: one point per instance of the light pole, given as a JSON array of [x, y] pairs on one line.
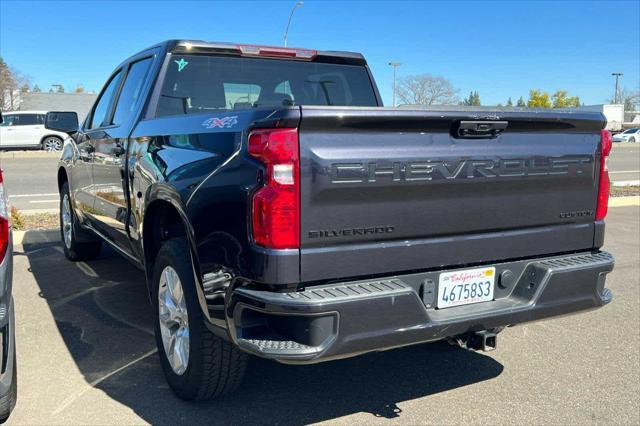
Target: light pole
[[395, 65], [617, 75], [286, 31]]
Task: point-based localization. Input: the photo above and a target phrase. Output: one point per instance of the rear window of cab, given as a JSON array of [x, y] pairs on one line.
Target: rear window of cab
[[200, 83]]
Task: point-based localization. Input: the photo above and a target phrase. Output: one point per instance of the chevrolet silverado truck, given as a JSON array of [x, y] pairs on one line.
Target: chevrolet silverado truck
[[279, 210]]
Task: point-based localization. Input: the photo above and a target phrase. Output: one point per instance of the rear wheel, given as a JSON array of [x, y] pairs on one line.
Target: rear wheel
[[70, 232], [197, 364], [52, 143]]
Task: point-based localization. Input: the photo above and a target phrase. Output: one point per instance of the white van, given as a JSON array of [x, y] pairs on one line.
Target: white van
[[25, 129]]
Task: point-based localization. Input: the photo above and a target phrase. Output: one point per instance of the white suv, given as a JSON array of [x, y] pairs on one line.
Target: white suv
[[25, 129]]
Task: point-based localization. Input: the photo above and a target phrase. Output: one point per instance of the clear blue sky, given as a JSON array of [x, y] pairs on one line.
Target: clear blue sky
[[499, 48]]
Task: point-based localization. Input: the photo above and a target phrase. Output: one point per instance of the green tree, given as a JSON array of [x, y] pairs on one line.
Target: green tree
[[473, 99], [509, 102], [538, 99], [561, 100], [521, 103], [36, 89]]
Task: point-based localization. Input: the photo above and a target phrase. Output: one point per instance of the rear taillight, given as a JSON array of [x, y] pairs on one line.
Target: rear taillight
[[4, 220], [276, 205], [605, 183]]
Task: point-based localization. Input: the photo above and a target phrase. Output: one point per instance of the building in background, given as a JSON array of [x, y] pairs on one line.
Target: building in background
[[78, 102]]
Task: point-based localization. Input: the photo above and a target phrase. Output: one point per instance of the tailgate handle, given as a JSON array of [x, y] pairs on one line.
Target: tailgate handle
[[481, 129]]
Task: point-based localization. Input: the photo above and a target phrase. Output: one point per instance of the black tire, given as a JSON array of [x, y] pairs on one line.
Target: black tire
[[82, 245], [215, 366], [8, 401], [632, 140]]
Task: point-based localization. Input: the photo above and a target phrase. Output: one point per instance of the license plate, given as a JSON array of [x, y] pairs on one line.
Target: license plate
[[465, 287]]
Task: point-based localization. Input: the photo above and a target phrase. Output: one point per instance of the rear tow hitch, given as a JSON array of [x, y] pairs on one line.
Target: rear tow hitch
[[476, 341]]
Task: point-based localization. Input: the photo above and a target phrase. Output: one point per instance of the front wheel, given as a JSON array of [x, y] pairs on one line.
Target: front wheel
[[52, 143], [632, 140], [197, 364]]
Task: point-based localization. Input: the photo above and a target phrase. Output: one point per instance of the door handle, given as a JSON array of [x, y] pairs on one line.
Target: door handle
[[481, 129]]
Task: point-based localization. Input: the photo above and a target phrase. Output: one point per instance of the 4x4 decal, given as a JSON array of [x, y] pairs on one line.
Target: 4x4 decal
[[222, 123]]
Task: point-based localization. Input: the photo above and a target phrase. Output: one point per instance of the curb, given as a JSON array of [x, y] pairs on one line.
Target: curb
[[626, 183], [633, 200], [29, 154], [37, 211], [36, 236]]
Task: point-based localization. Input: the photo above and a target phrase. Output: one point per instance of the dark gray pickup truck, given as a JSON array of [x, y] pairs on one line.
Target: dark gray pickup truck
[[278, 209]]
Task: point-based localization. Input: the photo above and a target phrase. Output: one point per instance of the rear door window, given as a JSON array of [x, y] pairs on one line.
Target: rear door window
[[131, 91], [200, 83]]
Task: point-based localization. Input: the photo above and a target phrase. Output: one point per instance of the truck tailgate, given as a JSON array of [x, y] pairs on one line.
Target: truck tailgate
[[386, 190]]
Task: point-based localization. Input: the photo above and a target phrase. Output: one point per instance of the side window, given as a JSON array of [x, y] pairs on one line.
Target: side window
[[131, 90], [9, 120], [104, 102], [40, 118], [27, 119]]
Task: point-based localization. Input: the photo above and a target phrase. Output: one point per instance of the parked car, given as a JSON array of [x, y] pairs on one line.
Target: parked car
[[25, 129], [8, 370], [629, 135], [279, 210]]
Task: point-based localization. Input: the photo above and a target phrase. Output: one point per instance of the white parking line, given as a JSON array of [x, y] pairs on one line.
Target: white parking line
[[72, 398], [624, 171], [33, 195], [88, 270], [42, 201]]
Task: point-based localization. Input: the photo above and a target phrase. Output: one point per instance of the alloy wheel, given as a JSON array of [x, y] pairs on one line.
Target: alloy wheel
[[67, 228], [52, 144], [174, 320]]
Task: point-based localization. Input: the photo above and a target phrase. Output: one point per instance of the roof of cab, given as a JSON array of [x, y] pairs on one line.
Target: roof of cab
[[200, 46]]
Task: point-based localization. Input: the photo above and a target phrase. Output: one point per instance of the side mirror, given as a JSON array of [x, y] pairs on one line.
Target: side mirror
[[62, 121]]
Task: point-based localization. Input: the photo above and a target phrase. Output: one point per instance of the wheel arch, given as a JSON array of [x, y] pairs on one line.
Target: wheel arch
[[165, 218]]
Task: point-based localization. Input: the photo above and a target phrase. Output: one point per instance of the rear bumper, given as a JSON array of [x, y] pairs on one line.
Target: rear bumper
[[346, 319]]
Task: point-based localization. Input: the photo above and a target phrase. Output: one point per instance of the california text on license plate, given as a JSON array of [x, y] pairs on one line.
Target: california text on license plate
[[464, 287]]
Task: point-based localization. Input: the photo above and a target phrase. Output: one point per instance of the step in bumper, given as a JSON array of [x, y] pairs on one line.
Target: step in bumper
[[346, 319]]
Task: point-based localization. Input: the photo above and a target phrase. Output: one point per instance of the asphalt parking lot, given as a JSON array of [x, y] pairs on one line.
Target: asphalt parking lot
[[87, 356]]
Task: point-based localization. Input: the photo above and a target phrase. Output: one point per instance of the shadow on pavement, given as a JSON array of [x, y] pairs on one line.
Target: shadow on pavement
[[102, 312]]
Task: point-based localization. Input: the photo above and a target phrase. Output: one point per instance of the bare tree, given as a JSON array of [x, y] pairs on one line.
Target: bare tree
[[7, 86], [426, 90], [12, 85], [630, 99]]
